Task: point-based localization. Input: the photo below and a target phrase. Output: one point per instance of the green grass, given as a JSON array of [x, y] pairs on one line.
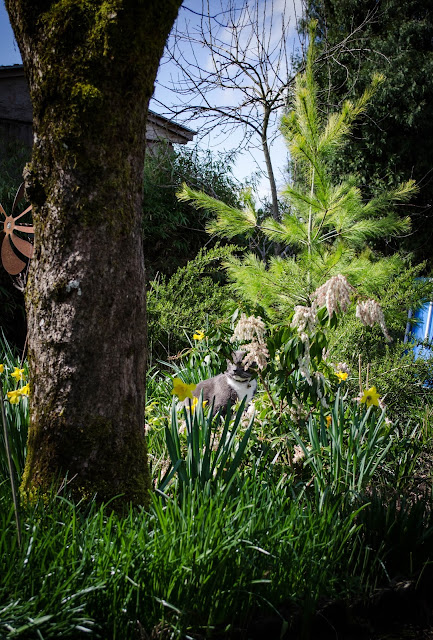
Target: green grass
[[207, 557], [198, 562]]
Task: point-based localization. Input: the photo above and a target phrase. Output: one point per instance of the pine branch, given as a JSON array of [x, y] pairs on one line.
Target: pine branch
[[230, 222]]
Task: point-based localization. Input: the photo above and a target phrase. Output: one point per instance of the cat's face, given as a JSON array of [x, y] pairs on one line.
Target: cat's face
[[235, 368]]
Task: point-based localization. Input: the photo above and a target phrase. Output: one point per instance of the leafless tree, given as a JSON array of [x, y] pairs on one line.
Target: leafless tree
[[234, 62]]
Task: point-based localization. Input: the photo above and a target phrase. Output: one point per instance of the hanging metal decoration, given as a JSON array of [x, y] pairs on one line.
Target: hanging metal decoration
[[13, 245]]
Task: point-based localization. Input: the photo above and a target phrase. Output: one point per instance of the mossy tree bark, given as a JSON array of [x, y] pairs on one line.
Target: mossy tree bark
[[91, 66]]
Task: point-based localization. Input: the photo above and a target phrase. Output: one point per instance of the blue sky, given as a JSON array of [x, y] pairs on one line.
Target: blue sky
[[246, 164], [9, 52]]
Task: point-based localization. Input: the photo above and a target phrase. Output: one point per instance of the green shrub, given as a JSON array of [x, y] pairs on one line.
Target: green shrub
[[194, 297], [174, 232], [404, 382]]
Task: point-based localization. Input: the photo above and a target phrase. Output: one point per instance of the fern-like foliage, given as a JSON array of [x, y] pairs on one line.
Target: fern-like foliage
[[328, 225]]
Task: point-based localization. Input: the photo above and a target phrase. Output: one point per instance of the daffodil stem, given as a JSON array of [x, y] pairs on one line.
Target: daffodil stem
[[11, 470], [266, 388], [360, 373]]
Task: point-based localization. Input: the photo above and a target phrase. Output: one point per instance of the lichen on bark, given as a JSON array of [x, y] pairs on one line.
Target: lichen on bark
[[91, 66]]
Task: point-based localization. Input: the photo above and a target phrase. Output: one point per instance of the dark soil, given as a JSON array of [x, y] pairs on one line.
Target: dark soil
[[402, 611]]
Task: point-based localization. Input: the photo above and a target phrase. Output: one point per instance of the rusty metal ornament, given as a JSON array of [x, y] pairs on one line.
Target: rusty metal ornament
[[11, 261]]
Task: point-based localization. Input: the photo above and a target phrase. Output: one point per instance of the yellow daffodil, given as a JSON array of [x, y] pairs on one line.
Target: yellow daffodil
[[2, 368], [370, 397], [14, 396], [18, 374], [342, 376], [195, 403], [199, 335], [328, 421], [24, 391], [182, 390]]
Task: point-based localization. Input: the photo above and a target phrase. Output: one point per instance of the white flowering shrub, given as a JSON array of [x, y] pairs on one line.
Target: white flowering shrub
[[334, 294], [370, 312], [256, 352]]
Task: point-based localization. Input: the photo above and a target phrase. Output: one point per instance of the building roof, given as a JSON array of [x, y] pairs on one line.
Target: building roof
[[16, 106]]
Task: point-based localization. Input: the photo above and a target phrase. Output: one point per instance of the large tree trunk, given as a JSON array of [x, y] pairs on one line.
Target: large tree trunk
[[91, 68]]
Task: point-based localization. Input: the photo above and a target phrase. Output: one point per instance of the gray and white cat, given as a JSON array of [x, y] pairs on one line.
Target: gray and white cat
[[232, 385]]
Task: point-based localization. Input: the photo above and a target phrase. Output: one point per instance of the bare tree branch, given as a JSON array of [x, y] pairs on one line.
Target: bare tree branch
[[235, 69]]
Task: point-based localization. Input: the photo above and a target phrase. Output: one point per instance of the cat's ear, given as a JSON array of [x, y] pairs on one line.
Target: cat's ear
[[237, 357]]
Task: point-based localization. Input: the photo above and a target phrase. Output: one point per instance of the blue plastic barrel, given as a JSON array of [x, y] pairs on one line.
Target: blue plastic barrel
[[421, 331]]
